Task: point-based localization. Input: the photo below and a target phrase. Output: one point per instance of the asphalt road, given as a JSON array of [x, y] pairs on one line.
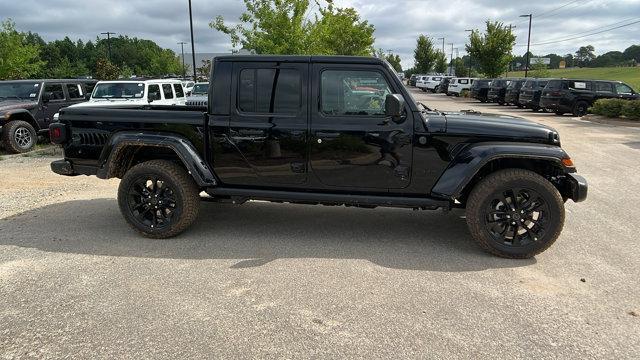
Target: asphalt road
[[272, 281]]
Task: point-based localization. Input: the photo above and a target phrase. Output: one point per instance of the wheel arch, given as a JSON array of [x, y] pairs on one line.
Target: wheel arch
[[23, 115], [473, 164], [126, 149]]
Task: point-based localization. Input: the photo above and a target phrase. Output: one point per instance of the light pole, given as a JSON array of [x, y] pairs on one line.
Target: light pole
[[193, 46], [526, 68], [451, 59], [509, 66], [108, 33], [442, 45], [471, 31], [184, 70]]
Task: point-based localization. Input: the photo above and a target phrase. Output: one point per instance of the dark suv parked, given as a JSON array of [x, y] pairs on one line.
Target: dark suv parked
[[576, 96], [480, 89], [530, 93], [27, 108], [498, 90], [513, 92]]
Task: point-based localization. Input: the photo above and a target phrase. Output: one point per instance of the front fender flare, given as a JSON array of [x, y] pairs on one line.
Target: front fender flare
[[111, 153], [28, 117], [472, 158]]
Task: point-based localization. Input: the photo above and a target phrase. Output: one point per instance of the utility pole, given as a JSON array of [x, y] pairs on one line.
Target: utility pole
[[443, 53], [184, 70], [193, 46], [526, 68], [451, 59], [108, 33], [471, 31]]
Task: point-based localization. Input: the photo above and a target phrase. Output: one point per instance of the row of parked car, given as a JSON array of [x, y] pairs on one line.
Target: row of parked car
[[27, 107], [560, 96]]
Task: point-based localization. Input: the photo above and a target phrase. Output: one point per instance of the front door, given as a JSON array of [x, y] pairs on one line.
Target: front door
[[353, 145], [55, 103], [266, 142]]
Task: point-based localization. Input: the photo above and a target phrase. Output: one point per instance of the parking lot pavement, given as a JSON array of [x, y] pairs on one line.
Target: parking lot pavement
[[270, 280]]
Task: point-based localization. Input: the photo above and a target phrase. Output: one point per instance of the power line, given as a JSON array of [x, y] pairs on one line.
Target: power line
[[537, 16], [589, 34]]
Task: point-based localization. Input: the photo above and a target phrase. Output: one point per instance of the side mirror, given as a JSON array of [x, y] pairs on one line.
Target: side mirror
[[46, 97], [394, 107]]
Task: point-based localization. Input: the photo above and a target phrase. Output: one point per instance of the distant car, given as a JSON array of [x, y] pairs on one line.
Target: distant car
[[27, 107], [412, 80], [576, 96], [480, 89], [513, 92], [530, 93], [119, 93], [498, 90], [457, 85], [199, 95], [429, 83]]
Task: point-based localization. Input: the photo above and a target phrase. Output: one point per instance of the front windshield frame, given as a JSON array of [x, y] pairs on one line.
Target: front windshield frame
[[131, 85], [30, 90]]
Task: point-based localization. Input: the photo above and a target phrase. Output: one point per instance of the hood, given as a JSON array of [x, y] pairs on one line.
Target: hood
[[500, 127], [12, 104]]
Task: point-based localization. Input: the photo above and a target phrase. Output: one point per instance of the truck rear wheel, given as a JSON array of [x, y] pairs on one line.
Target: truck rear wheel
[[19, 137], [580, 108], [515, 213], [158, 198]]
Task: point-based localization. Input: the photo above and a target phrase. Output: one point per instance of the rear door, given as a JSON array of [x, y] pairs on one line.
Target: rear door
[[353, 145], [267, 133]]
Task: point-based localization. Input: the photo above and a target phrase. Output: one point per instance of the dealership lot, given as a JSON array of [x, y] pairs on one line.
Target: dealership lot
[[273, 280]]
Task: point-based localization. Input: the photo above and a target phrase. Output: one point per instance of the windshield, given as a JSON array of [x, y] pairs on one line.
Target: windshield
[[118, 91], [19, 90], [200, 89], [530, 84]]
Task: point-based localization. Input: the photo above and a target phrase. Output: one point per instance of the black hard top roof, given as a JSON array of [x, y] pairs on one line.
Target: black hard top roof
[[302, 58]]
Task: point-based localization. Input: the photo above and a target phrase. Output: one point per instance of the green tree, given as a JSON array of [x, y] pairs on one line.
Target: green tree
[[395, 61], [205, 69], [539, 69], [282, 27], [459, 68], [585, 55], [18, 58], [441, 63], [425, 55], [105, 70], [491, 51], [632, 53]]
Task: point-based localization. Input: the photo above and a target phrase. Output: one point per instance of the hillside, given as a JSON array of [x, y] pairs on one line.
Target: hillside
[[630, 75]]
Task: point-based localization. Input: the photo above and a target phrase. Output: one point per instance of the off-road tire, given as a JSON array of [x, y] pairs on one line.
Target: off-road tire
[[580, 108], [9, 133], [184, 188], [485, 191]]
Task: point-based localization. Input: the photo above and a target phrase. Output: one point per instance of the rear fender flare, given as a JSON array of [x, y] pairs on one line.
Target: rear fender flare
[[184, 149], [471, 159]]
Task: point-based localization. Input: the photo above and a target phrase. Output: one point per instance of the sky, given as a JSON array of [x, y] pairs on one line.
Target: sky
[[397, 22]]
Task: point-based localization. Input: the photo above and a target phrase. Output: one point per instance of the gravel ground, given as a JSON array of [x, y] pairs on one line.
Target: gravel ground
[[271, 281]]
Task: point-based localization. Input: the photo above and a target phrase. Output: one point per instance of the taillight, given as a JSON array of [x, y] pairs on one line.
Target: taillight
[[57, 133]]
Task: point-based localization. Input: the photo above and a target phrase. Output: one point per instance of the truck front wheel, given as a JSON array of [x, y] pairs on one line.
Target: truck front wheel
[[158, 198], [515, 213], [19, 136]]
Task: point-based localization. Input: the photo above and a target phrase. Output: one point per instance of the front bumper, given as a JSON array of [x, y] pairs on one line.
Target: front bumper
[[578, 187]]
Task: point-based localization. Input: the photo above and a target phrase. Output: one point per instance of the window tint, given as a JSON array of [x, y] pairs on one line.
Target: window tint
[[353, 92], [154, 92], [604, 87], [623, 89], [178, 89], [257, 93], [166, 89], [75, 91], [56, 91]]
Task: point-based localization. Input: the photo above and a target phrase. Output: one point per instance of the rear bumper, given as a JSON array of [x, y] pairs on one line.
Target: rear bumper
[[67, 168], [578, 187]]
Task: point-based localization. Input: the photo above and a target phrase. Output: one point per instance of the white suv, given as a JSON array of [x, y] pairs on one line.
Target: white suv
[[428, 83], [136, 93], [458, 84]]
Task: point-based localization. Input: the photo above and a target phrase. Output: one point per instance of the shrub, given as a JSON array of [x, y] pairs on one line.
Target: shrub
[[631, 109], [608, 107]]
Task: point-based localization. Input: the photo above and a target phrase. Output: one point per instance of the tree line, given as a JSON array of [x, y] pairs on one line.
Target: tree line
[[28, 55]]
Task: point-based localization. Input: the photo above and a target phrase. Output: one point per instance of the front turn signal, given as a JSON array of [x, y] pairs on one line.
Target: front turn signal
[[567, 162]]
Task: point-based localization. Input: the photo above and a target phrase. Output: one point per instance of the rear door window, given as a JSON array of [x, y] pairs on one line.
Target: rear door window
[[168, 92], [154, 92], [270, 91], [75, 91], [55, 90], [604, 87]]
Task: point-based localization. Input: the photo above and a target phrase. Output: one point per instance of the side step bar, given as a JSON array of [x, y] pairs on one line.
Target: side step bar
[[239, 195]]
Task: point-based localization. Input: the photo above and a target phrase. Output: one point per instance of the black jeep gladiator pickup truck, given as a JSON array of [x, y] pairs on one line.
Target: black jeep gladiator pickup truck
[[324, 130]]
